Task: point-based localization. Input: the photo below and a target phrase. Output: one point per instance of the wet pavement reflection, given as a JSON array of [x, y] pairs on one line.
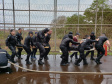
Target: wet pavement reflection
[[20, 76]]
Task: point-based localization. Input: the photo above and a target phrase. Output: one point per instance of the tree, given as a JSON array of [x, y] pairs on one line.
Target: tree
[[74, 20], [90, 13], [60, 21]]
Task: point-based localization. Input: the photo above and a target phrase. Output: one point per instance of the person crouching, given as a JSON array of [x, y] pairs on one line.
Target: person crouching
[[64, 46]]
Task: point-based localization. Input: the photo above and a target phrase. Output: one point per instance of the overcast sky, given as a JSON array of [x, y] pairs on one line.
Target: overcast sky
[[40, 17]]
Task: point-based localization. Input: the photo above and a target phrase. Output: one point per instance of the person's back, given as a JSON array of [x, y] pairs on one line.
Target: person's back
[[11, 40], [27, 41], [100, 49], [102, 39], [4, 56], [19, 37], [65, 42], [66, 36]]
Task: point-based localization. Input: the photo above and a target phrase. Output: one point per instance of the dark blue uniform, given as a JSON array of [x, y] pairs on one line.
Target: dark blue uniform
[[11, 42], [4, 56], [47, 39], [34, 41], [92, 37], [84, 46], [41, 44], [19, 38], [27, 44], [100, 49], [64, 46]]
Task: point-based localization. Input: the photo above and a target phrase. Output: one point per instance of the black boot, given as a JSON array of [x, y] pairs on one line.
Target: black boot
[[85, 62], [77, 62], [9, 70], [12, 60], [40, 62], [96, 61], [63, 63], [28, 62], [46, 58]]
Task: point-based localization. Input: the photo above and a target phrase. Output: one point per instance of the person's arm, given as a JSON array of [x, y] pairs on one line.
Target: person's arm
[[31, 42], [108, 44], [7, 40], [40, 35], [21, 36], [94, 41], [34, 41], [73, 42]]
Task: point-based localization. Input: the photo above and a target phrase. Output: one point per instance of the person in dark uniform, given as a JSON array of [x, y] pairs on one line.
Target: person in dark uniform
[[66, 36], [41, 44], [85, 45], [75, 38], [4, 56], [27, 45], [11, 42], [47, 39], [34, 41], [19, 38], [64, 46], [100, 49], [92, 37]]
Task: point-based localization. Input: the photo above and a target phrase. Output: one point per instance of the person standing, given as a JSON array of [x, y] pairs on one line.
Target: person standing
[[75, 38], [35, 47], [92, 37], [19, 38], [27, 45], [11, 42], [100, 49], [47, 39]]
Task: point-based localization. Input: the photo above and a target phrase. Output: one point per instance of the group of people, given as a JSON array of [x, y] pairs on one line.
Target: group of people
[[87, 43], [41, 41], [38, 41]]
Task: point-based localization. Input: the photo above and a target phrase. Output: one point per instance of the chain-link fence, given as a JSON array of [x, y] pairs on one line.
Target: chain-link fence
[[62, 16]]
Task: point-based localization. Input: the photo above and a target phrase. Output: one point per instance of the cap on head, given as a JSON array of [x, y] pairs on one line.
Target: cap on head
[[92, 33], [11, 30], [86, 36], [70, 32], [19, 29], [45, 30], [77, 33], [70, 36], [30, 32], [36, 32]]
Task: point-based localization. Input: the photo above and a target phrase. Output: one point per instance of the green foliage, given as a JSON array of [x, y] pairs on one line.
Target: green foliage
[[90, 13]]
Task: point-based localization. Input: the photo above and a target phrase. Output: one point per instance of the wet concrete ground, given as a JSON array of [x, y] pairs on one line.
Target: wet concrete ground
[[53, 64]]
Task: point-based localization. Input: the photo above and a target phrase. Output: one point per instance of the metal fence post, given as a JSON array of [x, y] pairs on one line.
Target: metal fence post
[[55, 16], [78, 14], [96, 17], [3, 16], [29, 13], [13, 15], [102, 16]]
